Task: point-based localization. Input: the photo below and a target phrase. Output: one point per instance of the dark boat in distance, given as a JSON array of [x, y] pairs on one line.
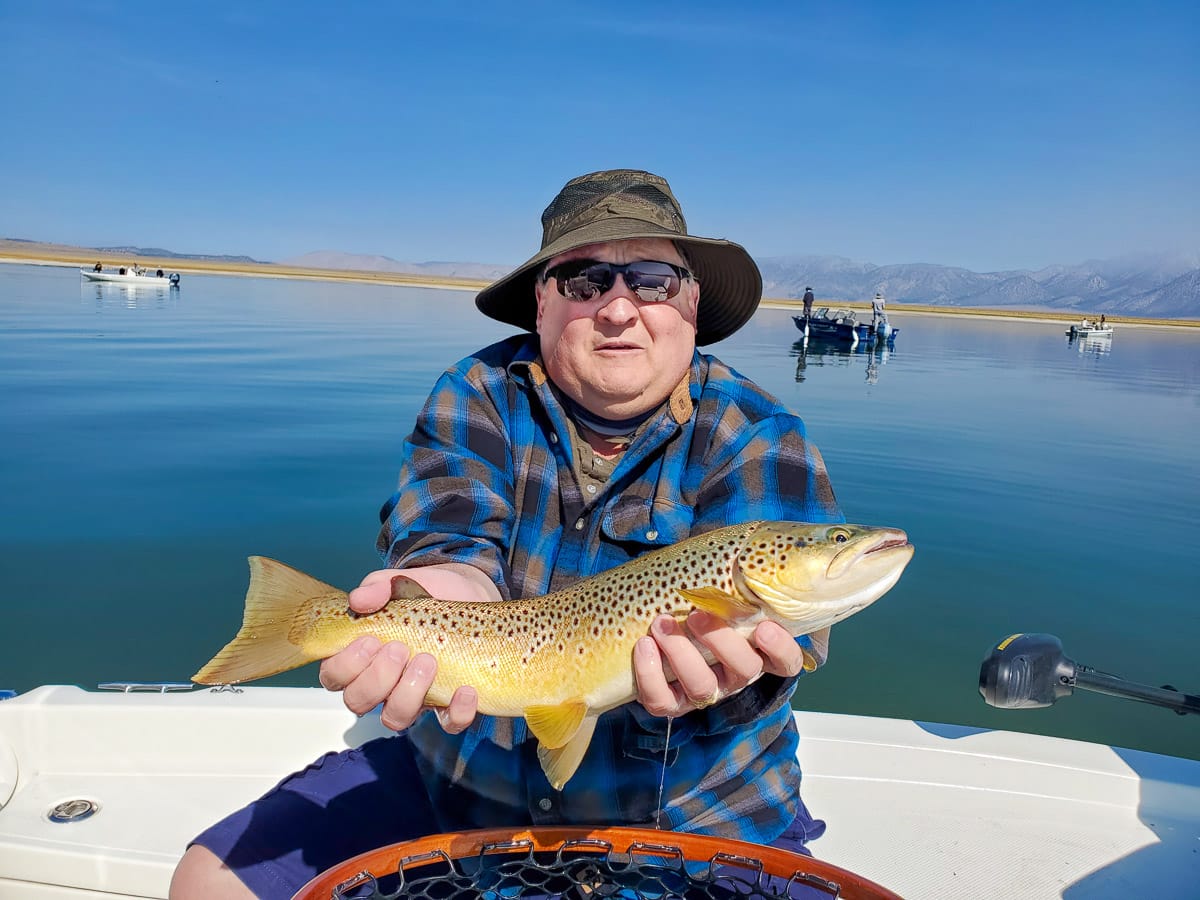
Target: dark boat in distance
[[841, 324]]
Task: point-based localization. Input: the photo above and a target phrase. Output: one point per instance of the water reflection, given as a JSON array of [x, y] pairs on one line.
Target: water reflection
[[1095, 344], [109, 295], [828, 353]]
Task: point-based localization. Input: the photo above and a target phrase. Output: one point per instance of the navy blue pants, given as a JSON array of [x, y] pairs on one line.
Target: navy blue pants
[[349, 803]]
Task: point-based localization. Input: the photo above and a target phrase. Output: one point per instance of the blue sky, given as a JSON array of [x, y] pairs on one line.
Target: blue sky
[[987, 135]]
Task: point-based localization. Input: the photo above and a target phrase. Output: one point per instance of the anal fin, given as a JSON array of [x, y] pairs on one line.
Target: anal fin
[[560, 763]]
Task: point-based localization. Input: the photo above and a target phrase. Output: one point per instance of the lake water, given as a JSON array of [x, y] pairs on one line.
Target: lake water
[[154, 439]]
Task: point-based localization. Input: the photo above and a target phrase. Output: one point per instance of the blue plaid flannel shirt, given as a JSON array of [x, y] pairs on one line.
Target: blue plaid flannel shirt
[[488, 480]]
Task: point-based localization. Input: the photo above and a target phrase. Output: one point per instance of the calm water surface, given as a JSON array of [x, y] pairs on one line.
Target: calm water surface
[[154, 439]]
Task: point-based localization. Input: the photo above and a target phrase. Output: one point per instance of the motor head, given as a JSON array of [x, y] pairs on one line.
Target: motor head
[[1026, 671]]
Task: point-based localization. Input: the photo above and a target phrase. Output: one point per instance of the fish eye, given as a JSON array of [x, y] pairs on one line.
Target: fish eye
[[840, 535]]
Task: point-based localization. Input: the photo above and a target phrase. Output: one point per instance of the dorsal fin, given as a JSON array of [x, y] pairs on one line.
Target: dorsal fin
[[404, 588]]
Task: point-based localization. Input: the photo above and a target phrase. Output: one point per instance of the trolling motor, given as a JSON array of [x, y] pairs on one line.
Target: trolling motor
[[1029, 671]]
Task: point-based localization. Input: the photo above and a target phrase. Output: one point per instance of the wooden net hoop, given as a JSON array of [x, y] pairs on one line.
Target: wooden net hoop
[[699, 862]]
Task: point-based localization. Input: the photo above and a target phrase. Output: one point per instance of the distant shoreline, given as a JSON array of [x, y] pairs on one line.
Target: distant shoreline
[[42, 255]]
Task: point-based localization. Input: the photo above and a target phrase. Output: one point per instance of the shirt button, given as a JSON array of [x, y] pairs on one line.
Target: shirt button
[[579, 524], [553, 438], [591, 489], [597, 461], [544, 804], [651, 535]]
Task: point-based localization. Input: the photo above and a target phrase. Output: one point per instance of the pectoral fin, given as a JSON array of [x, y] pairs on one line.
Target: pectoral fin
[[554, 726], [560, 763], [719, 603]]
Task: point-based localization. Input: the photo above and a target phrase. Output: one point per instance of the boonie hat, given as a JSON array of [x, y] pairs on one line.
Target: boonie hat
[[616, 205]]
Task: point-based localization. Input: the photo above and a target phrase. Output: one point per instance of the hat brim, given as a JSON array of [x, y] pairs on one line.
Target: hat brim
[[730, 283]]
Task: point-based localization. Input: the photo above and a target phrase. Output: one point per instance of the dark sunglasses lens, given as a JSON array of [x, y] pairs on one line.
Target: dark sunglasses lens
[[584, 282], [587, 279], [589, 282], [653, 282]]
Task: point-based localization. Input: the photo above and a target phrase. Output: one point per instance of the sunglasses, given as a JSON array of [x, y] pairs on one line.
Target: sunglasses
[[587, 279]]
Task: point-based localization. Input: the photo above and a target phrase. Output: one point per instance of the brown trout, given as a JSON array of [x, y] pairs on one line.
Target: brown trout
[[562, 659]]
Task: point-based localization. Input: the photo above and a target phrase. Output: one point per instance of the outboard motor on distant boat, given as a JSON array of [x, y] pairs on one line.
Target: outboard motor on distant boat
[[174, 279]]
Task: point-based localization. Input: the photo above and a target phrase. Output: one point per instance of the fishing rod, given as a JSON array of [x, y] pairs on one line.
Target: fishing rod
[[1030, 671]]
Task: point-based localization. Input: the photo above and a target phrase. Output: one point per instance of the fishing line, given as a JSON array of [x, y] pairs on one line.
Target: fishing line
[[662, 779]]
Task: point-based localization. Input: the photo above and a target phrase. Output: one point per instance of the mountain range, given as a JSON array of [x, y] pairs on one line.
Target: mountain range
[[1154, 285], [1162, 285]]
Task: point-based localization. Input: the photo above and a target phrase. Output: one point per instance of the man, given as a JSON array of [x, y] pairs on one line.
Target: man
[[877, 313], [535, 462], [808, 302]]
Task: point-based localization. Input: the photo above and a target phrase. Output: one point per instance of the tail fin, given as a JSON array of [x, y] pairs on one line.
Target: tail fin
[[265, 643]]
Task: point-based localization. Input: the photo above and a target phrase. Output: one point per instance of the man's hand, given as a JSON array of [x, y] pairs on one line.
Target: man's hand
[[670, 648], [370, 673]]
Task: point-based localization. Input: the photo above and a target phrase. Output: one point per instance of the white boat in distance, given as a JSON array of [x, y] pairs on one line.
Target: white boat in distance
[[1089, 329], [130, 276], [100, 793]]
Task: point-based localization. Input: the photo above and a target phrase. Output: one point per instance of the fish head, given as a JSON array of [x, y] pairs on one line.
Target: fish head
[[808, 576]]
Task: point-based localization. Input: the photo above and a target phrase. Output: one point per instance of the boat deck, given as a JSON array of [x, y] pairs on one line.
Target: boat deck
[[925, 810]]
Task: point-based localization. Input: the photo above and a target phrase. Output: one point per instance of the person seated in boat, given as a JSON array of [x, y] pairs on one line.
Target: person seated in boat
[[121, 271], [97, 267], [158, 274], [600, 434]]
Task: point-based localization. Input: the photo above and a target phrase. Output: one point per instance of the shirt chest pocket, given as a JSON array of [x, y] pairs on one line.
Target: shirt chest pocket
[[641, 525]]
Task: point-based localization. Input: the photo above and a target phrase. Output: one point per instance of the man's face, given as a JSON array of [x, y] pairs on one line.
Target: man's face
[[616, 354]]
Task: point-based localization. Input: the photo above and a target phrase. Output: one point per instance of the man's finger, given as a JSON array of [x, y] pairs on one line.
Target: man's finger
[[780, 652], [659, 696], [344, 666], [377, 680], [740, 662], [406, 700], [696, 677]]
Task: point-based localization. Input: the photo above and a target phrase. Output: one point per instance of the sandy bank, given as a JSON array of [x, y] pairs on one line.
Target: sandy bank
[[53, 255]]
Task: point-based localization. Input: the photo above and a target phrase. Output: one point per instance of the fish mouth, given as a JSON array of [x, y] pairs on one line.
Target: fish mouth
[[884, 542], [898, 540]]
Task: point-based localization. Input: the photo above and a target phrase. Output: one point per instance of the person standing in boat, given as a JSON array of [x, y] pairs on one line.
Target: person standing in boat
[[542, 459], [808, 302], [97, 267], [877, 313]]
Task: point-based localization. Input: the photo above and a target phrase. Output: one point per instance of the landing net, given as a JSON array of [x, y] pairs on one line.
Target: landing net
[[584, 864]]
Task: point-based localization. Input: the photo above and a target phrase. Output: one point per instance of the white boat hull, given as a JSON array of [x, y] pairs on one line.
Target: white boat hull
[[925, 810], [1077, 331], [139, 280]]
